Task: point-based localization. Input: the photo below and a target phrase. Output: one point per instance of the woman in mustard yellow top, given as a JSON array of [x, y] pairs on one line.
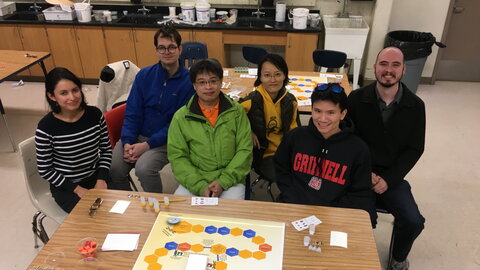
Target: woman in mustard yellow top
[[272, 112]]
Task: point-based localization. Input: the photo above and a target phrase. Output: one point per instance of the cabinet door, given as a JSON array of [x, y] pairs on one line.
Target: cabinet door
[[299, 50], [120, 44], [214, 41], [34, 38], [144, 47], [185, 34], [91, 47], [10, 40], [64, 49]]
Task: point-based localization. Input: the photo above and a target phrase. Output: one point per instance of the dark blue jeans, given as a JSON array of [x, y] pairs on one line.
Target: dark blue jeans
[[68, 199], [409, 223]]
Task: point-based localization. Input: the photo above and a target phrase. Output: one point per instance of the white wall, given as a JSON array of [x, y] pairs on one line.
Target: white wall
[[423, 16]]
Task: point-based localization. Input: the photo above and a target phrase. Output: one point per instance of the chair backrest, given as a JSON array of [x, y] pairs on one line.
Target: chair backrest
[[329, 59], [114, 120], [193, 51], [37, 187], [253, 54]]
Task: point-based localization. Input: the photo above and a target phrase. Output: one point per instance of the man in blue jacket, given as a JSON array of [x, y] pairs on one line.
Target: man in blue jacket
[[157, 93], [391, 120]]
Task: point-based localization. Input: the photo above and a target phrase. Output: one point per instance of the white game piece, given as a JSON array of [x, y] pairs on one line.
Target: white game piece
[[311, 229], [142, 201], [306, 241], [156, 206], [318, 249]]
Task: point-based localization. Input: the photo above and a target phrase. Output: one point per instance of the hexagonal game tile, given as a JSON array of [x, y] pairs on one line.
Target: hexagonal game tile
[[171, 245], [211, 229], [184, 246], [218, 249], [182, 227], [154, 266], [265, 247], [236, 231], [197, 248], [223, 230], [161, 252], [249, 233], [258, 240], [259, 255], [198, 228], [232, 252], [245, 254], [220, 265], [151, 259]]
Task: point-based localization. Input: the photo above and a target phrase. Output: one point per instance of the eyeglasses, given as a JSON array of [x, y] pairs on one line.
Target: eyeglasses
[[269, 76], [212, 82], [332, 86], [171, 49]]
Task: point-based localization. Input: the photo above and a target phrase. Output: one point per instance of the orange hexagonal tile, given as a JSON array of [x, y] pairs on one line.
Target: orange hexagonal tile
[[184, 247], [182, 227], [220, 265], [236, 231], [218, 249], [258, 240], [245, 254], [161, 252], [259, 255], [197, 248], [154, 266], [198, 228], [151, 259], [265, 247]]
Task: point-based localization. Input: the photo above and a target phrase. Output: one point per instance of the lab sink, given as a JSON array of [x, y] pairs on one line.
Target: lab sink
[[140, 19], [255, 22], [24, 16]]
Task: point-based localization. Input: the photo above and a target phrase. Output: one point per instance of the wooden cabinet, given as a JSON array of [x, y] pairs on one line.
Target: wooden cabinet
[[10, 40], [144, 47], [91, 47], [64, 49], [299, 49], [214, 41], [120, 44], [34, 38]]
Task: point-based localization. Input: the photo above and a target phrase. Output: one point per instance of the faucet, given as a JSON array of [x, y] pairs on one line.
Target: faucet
[[258, 13], [35, 7], [144, 10], [344, 13]]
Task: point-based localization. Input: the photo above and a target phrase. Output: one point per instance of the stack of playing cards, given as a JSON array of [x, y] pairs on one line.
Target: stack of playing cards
[[303, 223], [204, 201]]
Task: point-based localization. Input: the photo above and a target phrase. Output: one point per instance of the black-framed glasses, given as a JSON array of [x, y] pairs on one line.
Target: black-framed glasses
[[334, 87], [163, 49], [212, 82]]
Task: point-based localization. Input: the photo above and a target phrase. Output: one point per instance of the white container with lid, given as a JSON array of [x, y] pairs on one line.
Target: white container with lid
[[203, 12], [188, 11], [300, 18], [222, 15]]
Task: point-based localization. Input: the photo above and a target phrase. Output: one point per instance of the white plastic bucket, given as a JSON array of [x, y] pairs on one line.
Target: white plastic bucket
[[188, 11], [203, 12], [300, 18], [83, 11]]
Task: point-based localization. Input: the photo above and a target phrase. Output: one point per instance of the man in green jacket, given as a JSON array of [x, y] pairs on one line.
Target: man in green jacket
[[209, 141]]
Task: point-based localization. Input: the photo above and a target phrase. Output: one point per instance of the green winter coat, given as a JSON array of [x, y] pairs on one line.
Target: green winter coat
[[201, 154]]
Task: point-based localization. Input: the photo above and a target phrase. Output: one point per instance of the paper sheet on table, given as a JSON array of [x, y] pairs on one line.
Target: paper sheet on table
[[247, 76], [307, 102], [196, 262], [338, 239], [252, 71], [119, 207], [225, 73], [326, 75], [121, 241]]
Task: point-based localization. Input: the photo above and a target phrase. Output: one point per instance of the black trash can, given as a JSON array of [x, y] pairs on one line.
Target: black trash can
[[416, 47]]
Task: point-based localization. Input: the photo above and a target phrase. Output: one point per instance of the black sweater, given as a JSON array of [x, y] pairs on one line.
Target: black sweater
[[343, 179], [396, 146]]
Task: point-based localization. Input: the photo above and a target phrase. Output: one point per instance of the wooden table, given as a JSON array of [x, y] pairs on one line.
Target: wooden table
[[360, 254], [12, 63], [247, 84]]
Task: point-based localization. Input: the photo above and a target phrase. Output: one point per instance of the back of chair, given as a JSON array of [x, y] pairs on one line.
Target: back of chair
[[114, 120], [329, 59], [253, 54], [37, 187], [193, 51]]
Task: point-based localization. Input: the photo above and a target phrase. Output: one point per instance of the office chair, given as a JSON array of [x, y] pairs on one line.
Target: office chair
[[253, 54], [38, 192], [114, 120], [193, 51], [326, 59], [381, 209]]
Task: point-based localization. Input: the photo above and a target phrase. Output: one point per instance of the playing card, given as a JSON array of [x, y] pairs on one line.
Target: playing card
[[204, 201], [303, 223]]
